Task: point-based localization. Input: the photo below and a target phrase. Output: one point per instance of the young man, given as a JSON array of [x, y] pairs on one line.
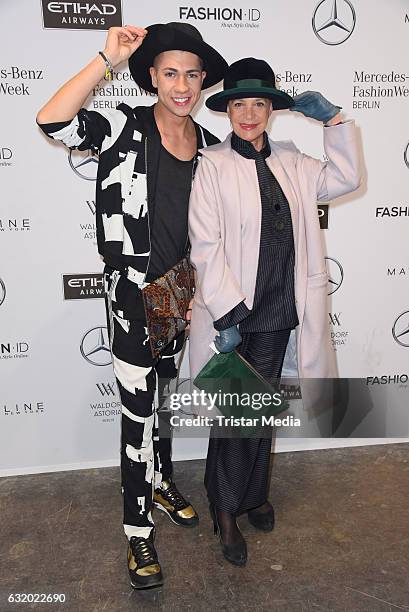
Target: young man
[[147, 158]]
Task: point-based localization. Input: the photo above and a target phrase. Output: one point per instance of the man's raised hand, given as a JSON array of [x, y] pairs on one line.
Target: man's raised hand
[[122, 42]]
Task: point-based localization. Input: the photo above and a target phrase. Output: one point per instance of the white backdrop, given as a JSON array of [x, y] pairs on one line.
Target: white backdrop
[[59, 410]]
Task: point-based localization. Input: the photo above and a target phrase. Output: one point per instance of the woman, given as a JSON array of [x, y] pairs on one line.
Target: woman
[[261, 276]]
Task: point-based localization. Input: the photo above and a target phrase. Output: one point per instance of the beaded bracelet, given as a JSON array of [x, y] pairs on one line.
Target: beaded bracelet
[[109, 70]]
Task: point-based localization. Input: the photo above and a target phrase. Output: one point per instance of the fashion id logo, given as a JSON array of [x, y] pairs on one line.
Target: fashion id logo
[[391, 211], [228, 17], [94, 15], [6, 156]]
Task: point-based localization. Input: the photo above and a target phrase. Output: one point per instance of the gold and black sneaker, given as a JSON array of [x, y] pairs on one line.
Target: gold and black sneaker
[[143, 564], [168, 499]]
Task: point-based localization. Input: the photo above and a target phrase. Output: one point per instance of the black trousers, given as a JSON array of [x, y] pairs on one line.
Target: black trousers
[[237, 469]]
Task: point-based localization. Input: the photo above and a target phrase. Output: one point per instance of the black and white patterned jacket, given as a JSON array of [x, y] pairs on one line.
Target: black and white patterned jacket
[[128, 142]]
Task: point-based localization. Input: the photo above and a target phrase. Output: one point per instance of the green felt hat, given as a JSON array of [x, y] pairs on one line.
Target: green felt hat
[[249, 78]]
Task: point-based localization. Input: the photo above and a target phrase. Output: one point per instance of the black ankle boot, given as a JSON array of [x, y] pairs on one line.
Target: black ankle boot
[[234, 553], [262, 520]]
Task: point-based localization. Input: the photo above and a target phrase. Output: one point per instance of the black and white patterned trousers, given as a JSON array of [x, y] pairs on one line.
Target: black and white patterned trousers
[[145, 455]]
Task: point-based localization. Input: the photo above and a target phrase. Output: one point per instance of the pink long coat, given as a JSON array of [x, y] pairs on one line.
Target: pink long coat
[[224, 230]]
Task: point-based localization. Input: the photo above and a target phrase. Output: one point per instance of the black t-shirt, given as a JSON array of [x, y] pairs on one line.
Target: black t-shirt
[[169, 231]]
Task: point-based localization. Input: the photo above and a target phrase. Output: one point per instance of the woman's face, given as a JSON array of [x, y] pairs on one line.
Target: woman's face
[[249, 118]]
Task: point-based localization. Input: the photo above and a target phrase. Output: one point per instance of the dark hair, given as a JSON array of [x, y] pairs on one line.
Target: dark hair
[[155, 61]]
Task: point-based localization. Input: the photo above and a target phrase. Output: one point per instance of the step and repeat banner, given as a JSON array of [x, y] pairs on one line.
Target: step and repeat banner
[[59, 406]]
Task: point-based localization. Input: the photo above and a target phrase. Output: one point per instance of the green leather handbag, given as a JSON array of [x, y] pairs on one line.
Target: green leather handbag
[[240, 392]]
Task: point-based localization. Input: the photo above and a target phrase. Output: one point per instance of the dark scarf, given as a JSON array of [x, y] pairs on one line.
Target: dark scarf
[[264, 174]]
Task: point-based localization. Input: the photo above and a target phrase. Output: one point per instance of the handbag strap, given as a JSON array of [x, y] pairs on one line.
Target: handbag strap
[[179, 365]]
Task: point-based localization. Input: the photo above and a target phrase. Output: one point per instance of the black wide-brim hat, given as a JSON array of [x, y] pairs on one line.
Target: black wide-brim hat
[[249, 78], [174, 36]]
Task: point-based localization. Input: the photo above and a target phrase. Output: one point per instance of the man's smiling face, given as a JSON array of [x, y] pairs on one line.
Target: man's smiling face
[[178, 76]]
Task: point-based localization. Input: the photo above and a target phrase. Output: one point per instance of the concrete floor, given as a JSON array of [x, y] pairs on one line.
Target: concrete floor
[[340, 542]]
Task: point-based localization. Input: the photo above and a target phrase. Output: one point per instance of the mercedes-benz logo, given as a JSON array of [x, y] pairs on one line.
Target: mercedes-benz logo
[[2, 291], [406, 155], [400, 329], [333, 24], [84, 164], [95, 346], [335, 275]]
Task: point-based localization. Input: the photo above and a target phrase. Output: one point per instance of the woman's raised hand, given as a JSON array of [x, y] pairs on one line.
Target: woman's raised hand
[[313, 104]]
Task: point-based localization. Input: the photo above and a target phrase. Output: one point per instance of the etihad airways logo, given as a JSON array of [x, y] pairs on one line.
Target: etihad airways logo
[[95, 15]]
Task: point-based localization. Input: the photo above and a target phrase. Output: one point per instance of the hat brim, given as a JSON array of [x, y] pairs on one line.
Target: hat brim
[[159, 40], [280, 99]]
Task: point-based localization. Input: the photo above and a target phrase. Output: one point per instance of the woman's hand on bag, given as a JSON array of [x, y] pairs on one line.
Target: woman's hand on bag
[[313, 104], [228, 339]]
